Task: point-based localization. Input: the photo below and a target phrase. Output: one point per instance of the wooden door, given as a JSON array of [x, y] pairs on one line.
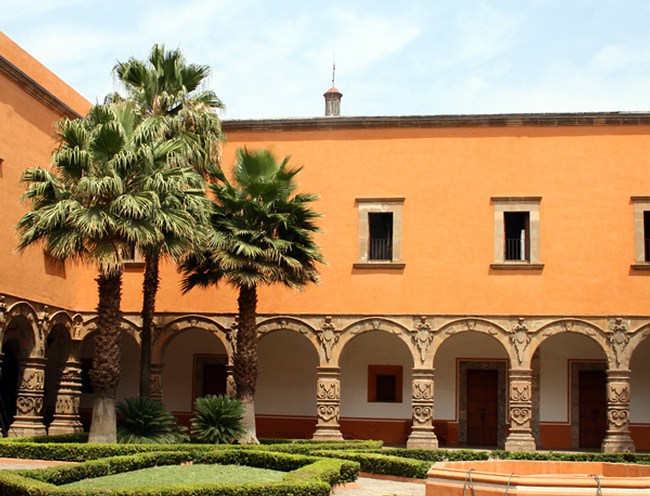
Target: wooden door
[[215, 378], [593, 408], [482, 401]]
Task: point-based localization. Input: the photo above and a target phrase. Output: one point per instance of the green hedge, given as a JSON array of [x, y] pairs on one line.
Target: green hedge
[[307, 475], [378, 463]]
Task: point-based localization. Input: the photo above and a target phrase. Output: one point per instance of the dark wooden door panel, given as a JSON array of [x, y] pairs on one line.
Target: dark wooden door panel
[[593, 408], [482, 394]]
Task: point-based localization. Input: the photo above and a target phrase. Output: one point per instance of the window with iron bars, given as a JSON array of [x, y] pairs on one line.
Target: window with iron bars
[[380, 239]]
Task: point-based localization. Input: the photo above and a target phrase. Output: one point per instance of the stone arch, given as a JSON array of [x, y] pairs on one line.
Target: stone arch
[[483, 326], [22, 321], [635, 338], [178, 326], [376, 381], [273, 324], [91, 326], [63, 323], [575, 326], [362, 326]]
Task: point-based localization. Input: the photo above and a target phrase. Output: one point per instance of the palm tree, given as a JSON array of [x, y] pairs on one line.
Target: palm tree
[[266, 237], [165, 88], [91, 207]]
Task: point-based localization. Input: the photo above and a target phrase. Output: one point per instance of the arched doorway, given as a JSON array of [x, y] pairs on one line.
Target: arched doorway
[[572, 379], [285, 400], [471, 370], [376, 371]]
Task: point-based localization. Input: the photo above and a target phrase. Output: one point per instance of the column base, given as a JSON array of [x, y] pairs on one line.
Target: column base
[[328, 434], [422, 440], [58, 427], [618, 443], [520, 441], [27, 428]]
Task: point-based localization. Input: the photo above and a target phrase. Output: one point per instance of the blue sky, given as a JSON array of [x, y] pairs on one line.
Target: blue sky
[[274, 58]]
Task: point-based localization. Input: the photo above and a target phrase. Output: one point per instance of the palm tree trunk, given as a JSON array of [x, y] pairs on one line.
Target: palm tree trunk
[[150, 290], [106, 371], [245, 359]]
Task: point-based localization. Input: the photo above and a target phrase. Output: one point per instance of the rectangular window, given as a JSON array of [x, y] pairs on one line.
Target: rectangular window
[[380, 236], [516, 233], [384, 383], [379, 233], [517, 241], [641, 232]]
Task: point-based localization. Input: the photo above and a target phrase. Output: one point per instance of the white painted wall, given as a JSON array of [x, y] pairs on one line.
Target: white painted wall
[[286, 381], [640, 384], [555, 354], [130, 363], [178, 373], [464, 345], [373, 348]]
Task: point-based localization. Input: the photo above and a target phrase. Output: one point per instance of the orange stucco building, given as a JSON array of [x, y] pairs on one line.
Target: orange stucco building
[[486, 283]]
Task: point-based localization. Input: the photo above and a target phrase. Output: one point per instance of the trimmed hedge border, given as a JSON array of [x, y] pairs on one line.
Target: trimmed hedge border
[[307, 475]]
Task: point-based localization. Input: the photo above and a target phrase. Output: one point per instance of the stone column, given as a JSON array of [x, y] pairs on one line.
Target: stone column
[[617, 439], [29, 404], [328, 404], [156, 381], [521, 411], [66, 414], [422, 434], [1, 356]]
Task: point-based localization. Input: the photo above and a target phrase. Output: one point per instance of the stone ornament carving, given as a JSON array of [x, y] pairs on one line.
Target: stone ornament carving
[[520, 338], [619, 393], [231, 335], [29, 406], [3, 311], [520, 415], [67, 405], [618, 339], [422, 414], [328, 336], [33, 380], [328, 389], [520, 392], [422, 336], [327, 413], [618, 418], [422, 390]]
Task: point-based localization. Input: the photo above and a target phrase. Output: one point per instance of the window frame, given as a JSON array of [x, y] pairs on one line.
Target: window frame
[[379, 205], [527, 204], [641, 204], [377, 370]]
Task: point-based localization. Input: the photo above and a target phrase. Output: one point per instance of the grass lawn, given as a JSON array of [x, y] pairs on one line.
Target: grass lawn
[[174, 475]]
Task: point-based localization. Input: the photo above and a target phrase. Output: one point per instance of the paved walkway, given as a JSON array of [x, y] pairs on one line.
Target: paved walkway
[[16, 463], [378, 487]]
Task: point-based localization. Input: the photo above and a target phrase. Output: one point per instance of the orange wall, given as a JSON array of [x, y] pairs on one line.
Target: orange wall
[[585, 176], [26, 129]]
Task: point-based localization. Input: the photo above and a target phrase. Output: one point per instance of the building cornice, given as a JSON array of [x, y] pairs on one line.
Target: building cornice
[[34, 89], [438, 121]]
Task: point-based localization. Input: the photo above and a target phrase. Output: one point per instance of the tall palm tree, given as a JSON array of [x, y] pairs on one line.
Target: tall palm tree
[[167, 89], [94, 204], [266, 237]]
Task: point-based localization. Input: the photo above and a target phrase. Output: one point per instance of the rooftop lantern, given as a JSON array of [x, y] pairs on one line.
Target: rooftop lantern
[[333, 98]]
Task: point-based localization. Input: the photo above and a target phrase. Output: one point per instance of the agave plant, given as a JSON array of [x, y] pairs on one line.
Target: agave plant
[[141, 420], [218, 419]]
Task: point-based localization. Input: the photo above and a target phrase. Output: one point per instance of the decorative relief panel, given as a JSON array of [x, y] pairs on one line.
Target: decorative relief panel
[[422, 390], [328, 336], [29, 406], [618, 339], [422, 414], [327, 413], [328, 389], [520, 338], [422, 337], [520, 392]]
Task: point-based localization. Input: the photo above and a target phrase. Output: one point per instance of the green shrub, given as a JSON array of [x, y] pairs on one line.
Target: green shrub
[[141, 420], [217, 419]]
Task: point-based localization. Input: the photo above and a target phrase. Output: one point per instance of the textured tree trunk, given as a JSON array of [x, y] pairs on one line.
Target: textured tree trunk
[[106, 371], [149, 290], [245, 359]]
